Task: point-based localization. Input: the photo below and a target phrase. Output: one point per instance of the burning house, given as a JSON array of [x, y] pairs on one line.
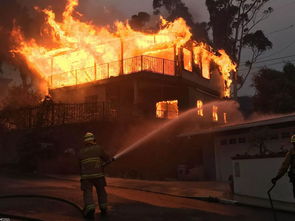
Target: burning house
[[159, 73], [4, 83], [98, 74]]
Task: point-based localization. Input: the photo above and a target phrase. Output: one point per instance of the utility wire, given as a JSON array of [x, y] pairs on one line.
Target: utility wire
[[271, 64], [281, 29], [272, 59], [279, 51]]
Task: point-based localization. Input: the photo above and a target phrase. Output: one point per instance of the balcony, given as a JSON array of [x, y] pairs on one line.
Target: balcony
[[112, 69]]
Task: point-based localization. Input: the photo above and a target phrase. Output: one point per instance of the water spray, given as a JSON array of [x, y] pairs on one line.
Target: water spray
[[153, 133], [188, 113]]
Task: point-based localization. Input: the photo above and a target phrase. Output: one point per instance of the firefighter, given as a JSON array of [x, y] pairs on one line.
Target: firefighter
[[92, 158], [289, 162]]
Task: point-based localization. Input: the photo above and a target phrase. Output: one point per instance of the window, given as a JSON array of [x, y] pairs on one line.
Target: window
[[223, 142], [167, 109], [242, 140], [200, 111], [187, 60], [232, 141], [215, 113], [225, 118]]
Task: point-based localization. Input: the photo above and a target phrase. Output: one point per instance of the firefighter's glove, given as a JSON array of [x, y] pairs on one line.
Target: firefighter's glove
[[108, 162], [274, 180]]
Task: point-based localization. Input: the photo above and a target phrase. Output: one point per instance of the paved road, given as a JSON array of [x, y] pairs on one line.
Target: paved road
[[125, 204]]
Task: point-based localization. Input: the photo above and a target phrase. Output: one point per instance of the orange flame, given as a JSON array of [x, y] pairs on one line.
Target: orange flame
[[215, 113], [225, 118], [167, 109], [200, 110], [82, 52]]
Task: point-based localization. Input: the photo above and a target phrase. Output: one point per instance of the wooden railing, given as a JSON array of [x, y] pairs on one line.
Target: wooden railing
[[50, 114], [104, 71]]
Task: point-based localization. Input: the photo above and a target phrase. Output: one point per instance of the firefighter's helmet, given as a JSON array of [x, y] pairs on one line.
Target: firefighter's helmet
[[89, 137], [293, 139]]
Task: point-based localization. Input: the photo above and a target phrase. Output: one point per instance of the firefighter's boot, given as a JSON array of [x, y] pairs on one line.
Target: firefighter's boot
[[89, 211], [103, 209]]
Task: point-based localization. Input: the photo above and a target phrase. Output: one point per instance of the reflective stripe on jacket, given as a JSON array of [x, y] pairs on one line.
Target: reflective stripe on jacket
[[92, 158]]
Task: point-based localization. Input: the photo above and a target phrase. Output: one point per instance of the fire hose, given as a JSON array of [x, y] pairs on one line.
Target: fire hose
[[271, 203], [43, 197], [109, 162], [4, 215]]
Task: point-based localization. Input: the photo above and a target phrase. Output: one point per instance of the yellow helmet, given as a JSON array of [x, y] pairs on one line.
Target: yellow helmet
[[89, 137], [293, 139]]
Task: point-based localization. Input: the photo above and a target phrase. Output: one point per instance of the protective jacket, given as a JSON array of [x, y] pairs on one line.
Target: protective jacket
[[289, 162], [92, 158]]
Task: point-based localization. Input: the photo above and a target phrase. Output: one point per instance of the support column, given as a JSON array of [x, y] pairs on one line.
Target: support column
[[180, 61], [51, 67], [175, 60], [122, 57], [193, 58], [95, 72]]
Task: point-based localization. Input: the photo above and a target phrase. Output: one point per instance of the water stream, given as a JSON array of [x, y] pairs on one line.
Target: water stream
[[229, 106], [155, 132]]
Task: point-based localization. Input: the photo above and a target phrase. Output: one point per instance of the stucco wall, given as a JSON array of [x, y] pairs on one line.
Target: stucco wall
[[224, 153], [252, 177]]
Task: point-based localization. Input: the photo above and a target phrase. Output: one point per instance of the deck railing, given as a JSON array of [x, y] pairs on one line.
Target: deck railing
[[48, 115], [112, 69]]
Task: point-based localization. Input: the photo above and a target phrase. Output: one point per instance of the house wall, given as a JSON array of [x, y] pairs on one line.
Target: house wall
[[137, 94], [225, 151], [257, 174], [215, 83], [78, 94]]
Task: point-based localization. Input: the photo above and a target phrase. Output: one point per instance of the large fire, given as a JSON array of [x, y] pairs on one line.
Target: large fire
[[79, 52]]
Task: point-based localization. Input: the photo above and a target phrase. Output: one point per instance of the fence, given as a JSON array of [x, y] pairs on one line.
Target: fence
[[112, 69], [48, 115]]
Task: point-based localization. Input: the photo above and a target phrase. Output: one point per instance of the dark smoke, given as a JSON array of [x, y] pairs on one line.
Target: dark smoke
[[17, 13], [100, 12]]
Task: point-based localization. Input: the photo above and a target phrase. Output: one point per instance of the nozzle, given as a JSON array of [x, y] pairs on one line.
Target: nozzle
[[109, 161]]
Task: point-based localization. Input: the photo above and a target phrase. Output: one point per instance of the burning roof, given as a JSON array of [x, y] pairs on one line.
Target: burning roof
[[79, 52]]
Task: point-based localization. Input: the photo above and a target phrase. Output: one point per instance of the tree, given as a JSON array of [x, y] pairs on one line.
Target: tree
[[177, 9], [20, 96], [11, 13], [138, 22], [258, 137], [275, 90], [246, 105], [232, 23], [258, 44]]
